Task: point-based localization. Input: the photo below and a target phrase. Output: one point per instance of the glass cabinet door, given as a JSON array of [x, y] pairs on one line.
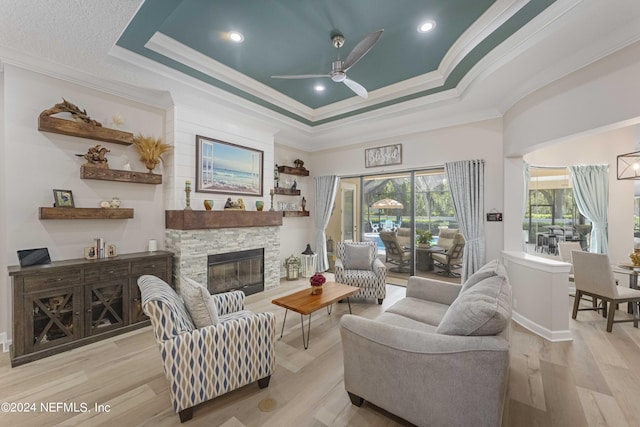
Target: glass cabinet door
[[105, 308], [53, 318]]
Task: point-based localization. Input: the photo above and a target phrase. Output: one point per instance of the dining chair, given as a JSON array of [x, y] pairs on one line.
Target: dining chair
[[594, 277], [564, 250]]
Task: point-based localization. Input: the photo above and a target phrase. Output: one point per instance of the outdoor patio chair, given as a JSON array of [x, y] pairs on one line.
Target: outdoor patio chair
[[396, 254]]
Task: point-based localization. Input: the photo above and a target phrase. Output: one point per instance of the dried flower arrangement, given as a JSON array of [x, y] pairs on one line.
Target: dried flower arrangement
[[150, 150]]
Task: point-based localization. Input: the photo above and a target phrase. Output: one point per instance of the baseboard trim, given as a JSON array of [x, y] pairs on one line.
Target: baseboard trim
[[547, 334], [6, 343]]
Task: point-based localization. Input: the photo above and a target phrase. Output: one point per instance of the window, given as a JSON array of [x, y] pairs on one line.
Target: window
[[551, 214]]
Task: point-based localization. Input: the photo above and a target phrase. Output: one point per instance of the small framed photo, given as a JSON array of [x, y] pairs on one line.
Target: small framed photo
[[111, 251], [90, 253], [63, 199]]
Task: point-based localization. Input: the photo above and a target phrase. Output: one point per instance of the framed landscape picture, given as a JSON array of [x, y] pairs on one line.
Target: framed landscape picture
[[225, 168], [383, 156]]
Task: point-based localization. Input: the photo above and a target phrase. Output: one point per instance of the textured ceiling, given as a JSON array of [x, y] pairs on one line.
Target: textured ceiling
[[76, 40], [294, 37]]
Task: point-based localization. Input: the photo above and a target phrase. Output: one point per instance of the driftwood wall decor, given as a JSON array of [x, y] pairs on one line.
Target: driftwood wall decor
[[81, 125]]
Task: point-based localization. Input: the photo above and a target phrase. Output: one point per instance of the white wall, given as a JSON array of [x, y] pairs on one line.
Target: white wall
[[479, 140], [601, 96], [34, 163], [5, 289], [203, 119], [296, 231]]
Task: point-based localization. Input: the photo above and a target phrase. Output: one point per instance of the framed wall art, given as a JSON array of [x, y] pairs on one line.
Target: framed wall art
[[383, 156], [63, 199], [222, 167]]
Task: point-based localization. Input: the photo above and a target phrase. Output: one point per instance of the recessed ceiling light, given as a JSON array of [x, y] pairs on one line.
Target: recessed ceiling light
[[236, 36], [319, 88], [426, 26]]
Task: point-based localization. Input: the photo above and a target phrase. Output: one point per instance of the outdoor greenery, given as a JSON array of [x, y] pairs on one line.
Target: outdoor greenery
[[433, 201], [424, 236]]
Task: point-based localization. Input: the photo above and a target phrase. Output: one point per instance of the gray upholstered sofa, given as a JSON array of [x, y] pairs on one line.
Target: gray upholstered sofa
[[440, 356]]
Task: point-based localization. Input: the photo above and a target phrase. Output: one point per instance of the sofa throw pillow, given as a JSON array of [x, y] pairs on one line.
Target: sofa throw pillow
[[485, 309], [199, 302], [492, 268], [357, 257]]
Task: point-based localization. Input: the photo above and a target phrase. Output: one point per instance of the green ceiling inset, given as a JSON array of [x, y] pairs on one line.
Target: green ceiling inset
[[293, 37]]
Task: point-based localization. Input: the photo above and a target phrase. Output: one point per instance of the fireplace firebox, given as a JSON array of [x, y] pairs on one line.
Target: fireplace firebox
[[241, 270]]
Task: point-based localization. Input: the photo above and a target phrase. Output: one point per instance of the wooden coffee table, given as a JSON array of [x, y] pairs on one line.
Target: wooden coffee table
[[304, 303]]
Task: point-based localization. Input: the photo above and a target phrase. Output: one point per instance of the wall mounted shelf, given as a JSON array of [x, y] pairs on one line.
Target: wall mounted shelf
[[83, 130], [286, 191], [203, 220], [295, 213], [85, 213], [88, 172], [293, 171]]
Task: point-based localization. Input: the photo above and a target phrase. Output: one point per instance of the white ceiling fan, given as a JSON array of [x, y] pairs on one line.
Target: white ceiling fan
[[339, 68]]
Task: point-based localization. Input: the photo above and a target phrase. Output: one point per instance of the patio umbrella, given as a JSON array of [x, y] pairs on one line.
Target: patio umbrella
[[386, 204]]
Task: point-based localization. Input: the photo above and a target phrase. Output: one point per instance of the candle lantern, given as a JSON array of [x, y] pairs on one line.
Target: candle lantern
[[308, 262], [292, 264]]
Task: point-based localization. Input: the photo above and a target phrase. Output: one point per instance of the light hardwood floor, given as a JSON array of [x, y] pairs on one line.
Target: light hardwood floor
[[591, 381]]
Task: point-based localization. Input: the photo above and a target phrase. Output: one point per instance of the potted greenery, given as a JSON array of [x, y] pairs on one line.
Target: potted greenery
[[423, 238]]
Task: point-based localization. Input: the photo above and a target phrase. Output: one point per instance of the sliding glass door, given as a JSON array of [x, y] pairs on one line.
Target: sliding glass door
[[391, 210]]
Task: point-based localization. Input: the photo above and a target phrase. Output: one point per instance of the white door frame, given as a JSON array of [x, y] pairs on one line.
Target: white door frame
[[344, 191]]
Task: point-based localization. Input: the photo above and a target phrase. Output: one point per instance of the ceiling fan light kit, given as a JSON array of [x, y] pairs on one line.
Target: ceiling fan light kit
[[339, 68]]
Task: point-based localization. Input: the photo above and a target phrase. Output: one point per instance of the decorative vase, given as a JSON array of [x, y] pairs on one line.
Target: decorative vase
[[208, 204], [635, 257], [424, 245], [317, 280], [115, 202], [259, 205], [151, 164]]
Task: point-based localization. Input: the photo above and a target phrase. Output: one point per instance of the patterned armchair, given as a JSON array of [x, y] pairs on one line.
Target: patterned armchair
[[357, 264], [203, 363]]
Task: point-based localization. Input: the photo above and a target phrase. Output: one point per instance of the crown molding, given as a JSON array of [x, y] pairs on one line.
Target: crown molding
[[516, 45], [483, 27], [154, 98], [181, 53]]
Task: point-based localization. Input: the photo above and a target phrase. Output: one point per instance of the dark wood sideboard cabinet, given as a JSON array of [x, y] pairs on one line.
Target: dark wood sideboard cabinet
[[70, 303]]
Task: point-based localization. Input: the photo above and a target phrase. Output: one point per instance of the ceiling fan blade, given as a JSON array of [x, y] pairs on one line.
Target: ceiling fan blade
[[301, 76], [356, 87], [361, 49]]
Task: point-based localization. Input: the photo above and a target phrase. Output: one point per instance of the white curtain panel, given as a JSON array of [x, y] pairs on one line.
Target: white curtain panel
[[326, 189], [591, 191], [466, 184]]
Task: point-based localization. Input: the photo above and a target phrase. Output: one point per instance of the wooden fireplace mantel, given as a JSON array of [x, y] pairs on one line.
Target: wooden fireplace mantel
[[203, 220]]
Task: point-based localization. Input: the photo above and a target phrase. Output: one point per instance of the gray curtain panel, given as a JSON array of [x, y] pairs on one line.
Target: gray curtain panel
[[591, 191], [466, 185], [326, 189]]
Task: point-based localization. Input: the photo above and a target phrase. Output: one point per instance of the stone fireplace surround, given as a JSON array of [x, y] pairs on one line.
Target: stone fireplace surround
[[191, 247]]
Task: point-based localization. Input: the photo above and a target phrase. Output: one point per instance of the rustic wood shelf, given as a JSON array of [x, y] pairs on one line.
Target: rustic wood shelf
[[83, 130], [295, 213], [293, 171], [286, 191], [203, 220], [88, 172], [85, 213]]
